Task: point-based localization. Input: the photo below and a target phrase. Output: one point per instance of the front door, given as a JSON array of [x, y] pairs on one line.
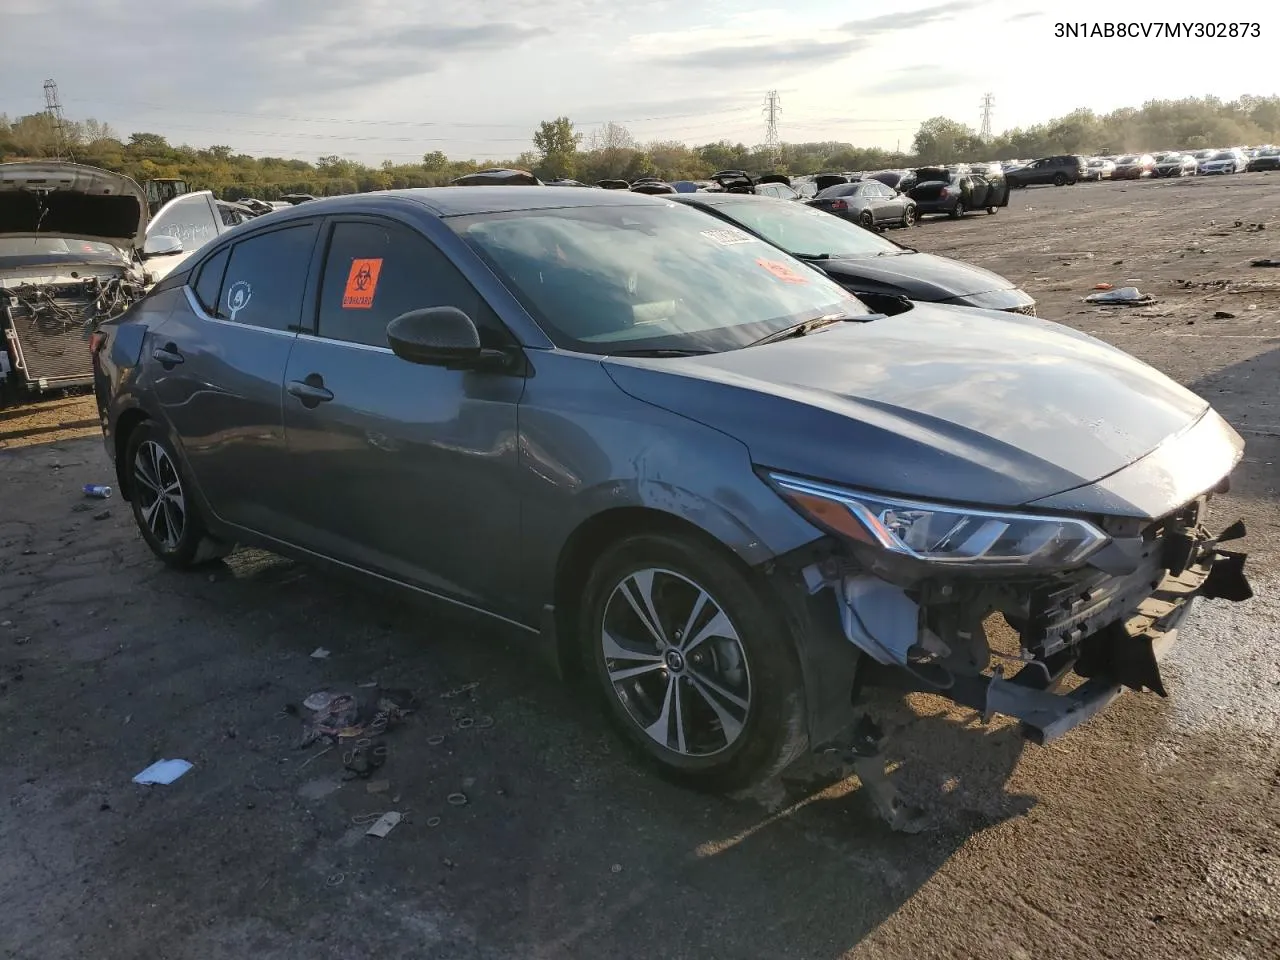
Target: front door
[[218, 363], [398, 468]]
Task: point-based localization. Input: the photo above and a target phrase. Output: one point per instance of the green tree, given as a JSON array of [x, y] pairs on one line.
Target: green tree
[[435, 160], [557, 144]]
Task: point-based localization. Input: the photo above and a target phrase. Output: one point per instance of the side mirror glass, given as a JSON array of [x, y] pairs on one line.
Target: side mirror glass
[[437, 336], [161, 246]]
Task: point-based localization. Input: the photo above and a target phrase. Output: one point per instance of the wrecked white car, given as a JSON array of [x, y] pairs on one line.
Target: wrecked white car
[[73, 240]]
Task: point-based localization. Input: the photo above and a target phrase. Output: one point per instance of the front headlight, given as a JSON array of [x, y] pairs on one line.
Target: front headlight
[[938, 533]]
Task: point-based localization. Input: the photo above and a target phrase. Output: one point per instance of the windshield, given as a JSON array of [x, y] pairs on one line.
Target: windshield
[[57, 247], [807, 230], [1224, 155], [1128, 159], [608, 279]]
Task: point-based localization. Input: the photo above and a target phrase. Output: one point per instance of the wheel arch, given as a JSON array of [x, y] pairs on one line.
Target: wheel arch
[[126, 423]]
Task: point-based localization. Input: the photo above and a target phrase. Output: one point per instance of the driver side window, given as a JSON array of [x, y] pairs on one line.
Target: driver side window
[[375, 271]]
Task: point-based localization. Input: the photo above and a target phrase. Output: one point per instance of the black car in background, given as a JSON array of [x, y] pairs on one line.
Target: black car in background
[[882, 274], [1059, 171], [956, 192], [868, 203], [1267, 159]]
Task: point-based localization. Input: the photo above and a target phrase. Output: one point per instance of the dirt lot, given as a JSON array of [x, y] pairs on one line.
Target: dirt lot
[[1153, 831]]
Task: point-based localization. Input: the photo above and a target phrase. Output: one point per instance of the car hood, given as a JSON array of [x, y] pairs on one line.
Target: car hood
[[918, 276], [942, 402], [52, 198]]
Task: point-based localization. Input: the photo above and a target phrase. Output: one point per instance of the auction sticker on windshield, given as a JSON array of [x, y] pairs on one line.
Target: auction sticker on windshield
[[362, 284], [727, 237], [782, 271]]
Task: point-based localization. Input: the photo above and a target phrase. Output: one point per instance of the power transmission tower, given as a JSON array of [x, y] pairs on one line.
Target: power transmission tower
[[772, 143], [53, 106], [988, 101]]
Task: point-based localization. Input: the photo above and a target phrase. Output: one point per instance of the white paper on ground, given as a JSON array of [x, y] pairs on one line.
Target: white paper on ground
[[382, 826], [163, 771]]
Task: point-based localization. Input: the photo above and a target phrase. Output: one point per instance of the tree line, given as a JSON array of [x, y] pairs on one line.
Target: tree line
[[611, 151]]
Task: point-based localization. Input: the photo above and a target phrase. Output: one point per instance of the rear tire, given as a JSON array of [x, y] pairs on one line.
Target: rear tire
[[958, 210], [1059, 179], [992, 210], [867, 219], [717, 700], [163, 501]]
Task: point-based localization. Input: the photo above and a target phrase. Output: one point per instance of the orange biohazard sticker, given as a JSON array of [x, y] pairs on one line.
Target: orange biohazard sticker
[[362, 284], [782, 271]]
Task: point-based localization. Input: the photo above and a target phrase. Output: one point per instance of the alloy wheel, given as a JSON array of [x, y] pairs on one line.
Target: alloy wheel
[[676, 663], [161, 499]]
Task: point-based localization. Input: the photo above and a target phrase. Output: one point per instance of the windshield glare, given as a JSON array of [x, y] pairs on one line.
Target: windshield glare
[[604, 279], [807, 230]]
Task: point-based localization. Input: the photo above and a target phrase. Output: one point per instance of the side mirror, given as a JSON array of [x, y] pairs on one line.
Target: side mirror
[[439, 337], [160, 246]]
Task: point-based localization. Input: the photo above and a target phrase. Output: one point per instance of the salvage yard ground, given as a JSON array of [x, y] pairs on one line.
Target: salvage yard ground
[[1152, 831]]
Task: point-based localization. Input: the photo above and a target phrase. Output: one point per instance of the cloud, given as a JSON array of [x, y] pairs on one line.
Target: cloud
[[916, 80], [1024, 15], [909, 19], [811, 53]]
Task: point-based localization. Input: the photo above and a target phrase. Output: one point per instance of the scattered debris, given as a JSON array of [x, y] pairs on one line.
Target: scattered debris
[[319, 653], [433, 821], [163, 772], [99, 491], [334, 879], [318, 701], [616, 868], [377, 786], [1103, 286], [1223, 315], [81, 507], [384, 824], [457, 799], [348, 716], [1264, 262], [103, 515], [1124, 296]]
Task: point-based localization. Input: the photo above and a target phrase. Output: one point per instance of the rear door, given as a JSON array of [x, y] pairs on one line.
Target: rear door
[[398, 468], [218, 363]]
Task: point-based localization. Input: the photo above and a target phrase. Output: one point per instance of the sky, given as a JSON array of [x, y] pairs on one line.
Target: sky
[[392, 79]]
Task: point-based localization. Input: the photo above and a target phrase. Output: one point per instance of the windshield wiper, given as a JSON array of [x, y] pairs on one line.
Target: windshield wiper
[[811, 256], [806, 327], [659, 352]]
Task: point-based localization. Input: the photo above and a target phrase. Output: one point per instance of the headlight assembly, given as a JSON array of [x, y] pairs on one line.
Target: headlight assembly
[[939, 533]]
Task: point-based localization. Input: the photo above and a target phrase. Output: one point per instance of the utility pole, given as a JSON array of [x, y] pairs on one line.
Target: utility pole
[[53, 106], [772, 143], [988, 101]]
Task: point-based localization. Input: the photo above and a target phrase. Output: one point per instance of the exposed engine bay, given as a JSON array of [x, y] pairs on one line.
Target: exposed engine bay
[[1108, 621], [48, 320]]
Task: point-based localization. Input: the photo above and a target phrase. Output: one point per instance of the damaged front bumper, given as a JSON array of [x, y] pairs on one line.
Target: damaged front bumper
[[1111, 629]]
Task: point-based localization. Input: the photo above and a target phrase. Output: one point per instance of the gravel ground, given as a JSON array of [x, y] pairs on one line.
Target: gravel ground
[[1153, 831]]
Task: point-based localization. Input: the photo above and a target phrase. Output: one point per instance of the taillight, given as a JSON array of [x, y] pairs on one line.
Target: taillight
[[839, 205], [944, 192]]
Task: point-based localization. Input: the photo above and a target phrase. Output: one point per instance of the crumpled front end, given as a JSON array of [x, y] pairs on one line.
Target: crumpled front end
[[1096, 598]]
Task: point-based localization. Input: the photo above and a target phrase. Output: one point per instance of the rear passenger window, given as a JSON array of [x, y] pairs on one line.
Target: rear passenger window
[[266, 277], [376, 271], [209, 281]]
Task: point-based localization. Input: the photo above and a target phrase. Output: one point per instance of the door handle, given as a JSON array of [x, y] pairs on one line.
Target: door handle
[[167, 355], [310, 391]]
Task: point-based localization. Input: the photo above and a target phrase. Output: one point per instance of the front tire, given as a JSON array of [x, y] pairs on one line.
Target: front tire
[[697, 671], [163, 501], [958, 210], [909, 216], [867, 220]]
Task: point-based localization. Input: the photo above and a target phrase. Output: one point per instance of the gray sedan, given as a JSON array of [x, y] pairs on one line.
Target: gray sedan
[[691, 464]]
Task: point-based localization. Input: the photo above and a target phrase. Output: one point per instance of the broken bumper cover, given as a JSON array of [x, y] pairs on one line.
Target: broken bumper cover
[[1113, 646]]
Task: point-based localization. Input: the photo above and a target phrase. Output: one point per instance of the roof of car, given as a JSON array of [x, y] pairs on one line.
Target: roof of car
[[463, 201], [716, 199]]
